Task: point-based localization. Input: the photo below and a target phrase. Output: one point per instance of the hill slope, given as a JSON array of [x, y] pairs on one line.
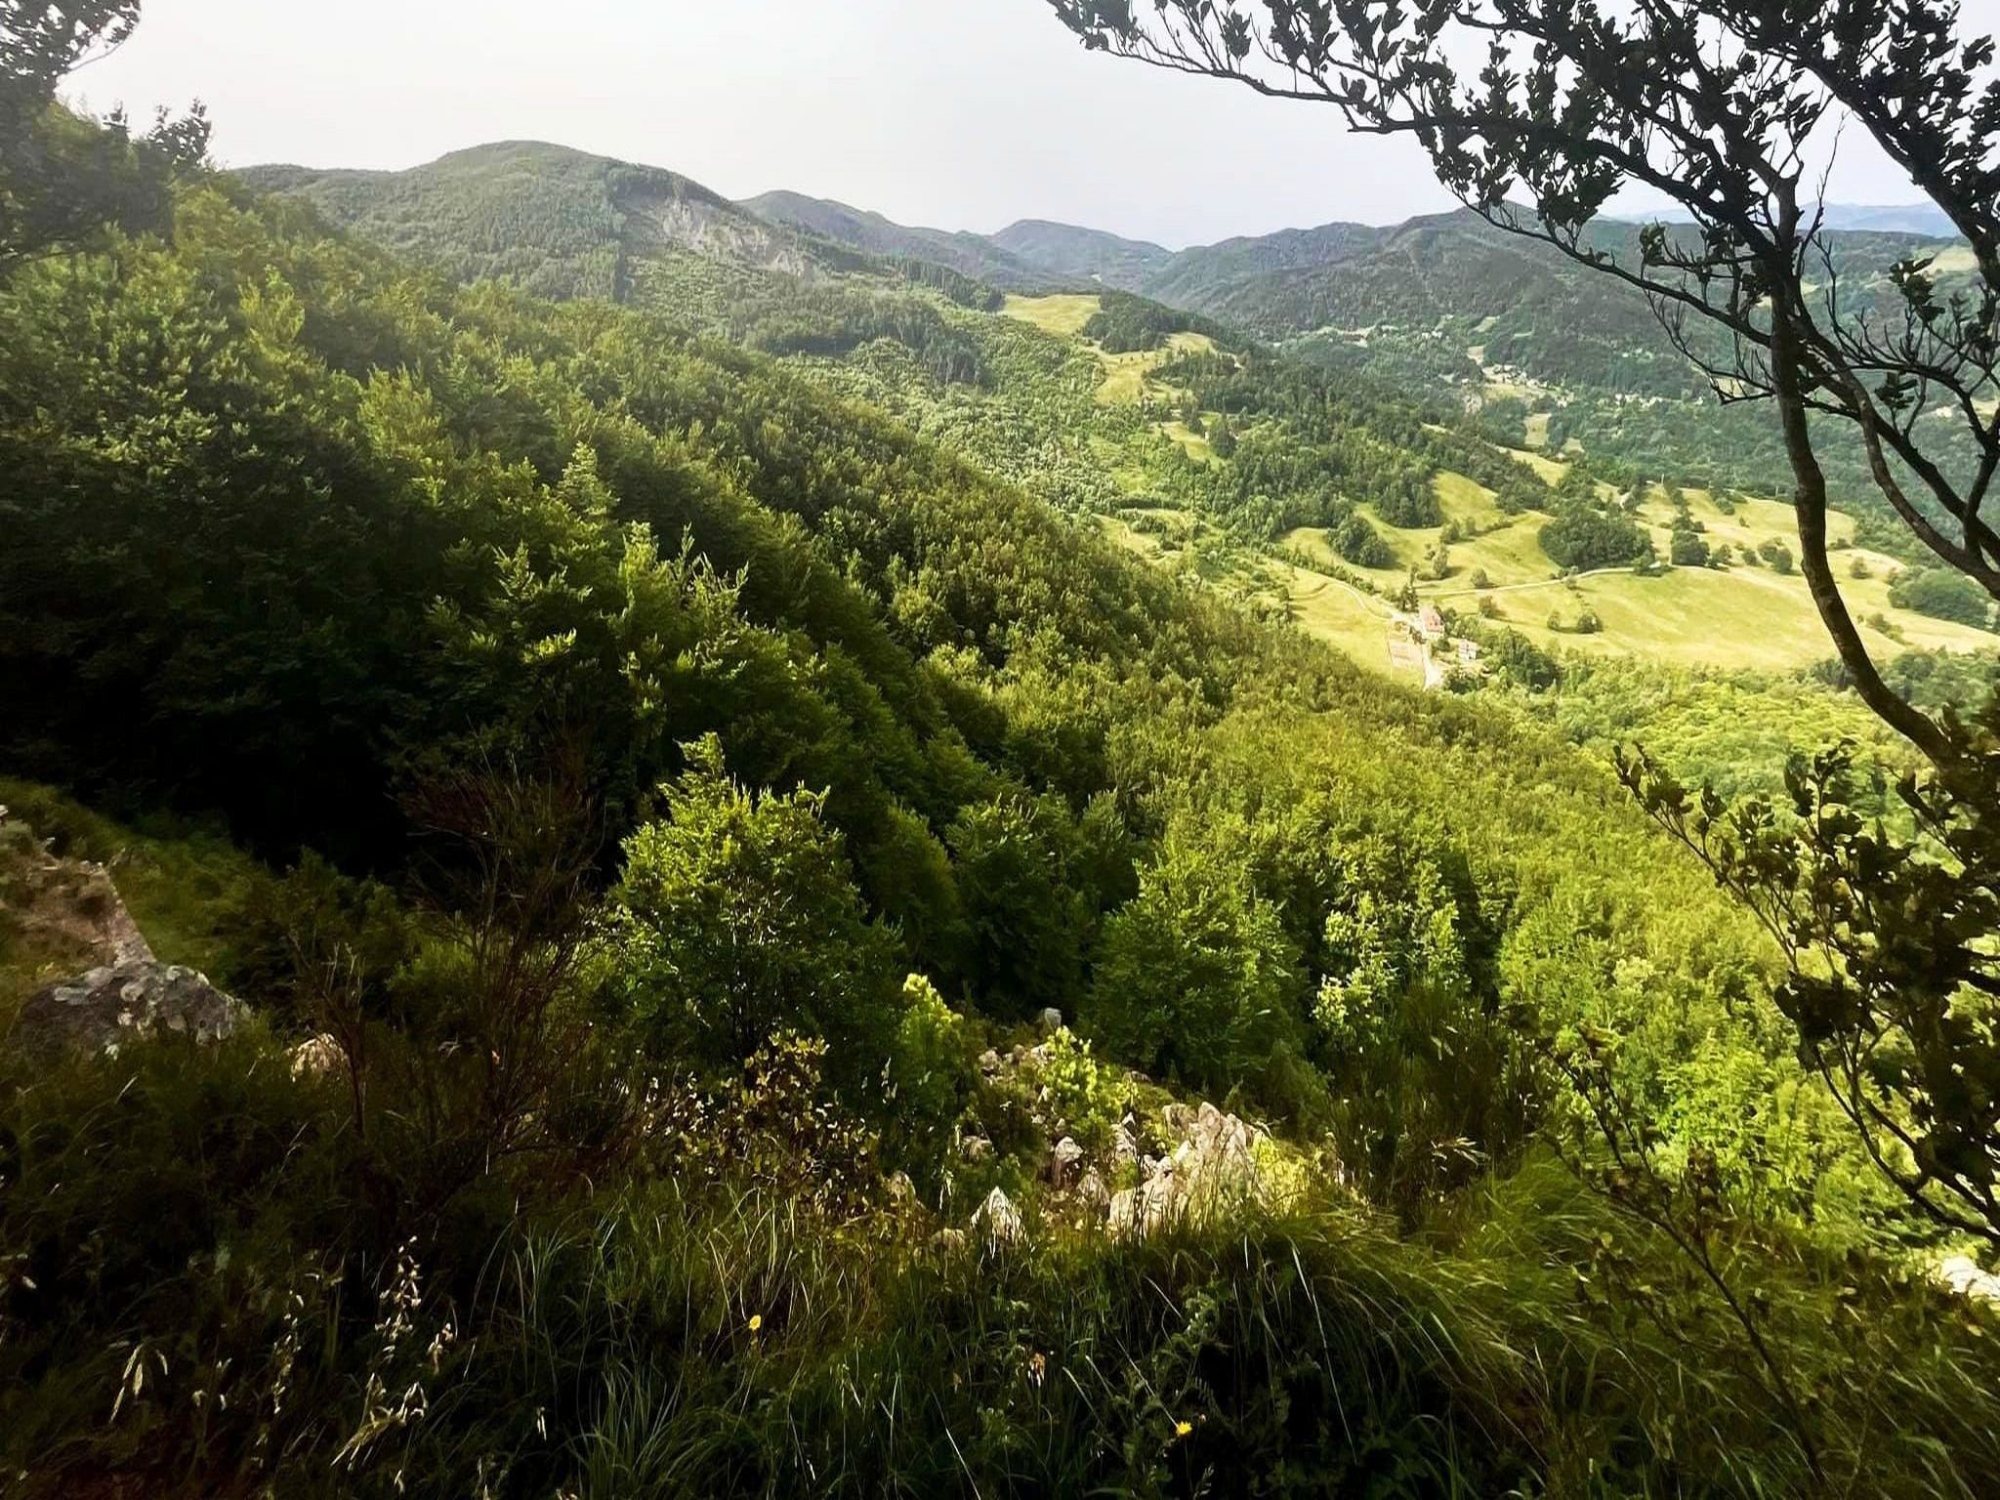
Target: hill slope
[[1085, 254], [555, 221], [969, 254]]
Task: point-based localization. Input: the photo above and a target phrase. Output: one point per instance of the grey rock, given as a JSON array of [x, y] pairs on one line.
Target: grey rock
[[1212, 1172], [1063, 1160], [1092, 1190], [999, 1221], [113, 1006], [1963, 1275], [1050, 1021], [317, 1056]]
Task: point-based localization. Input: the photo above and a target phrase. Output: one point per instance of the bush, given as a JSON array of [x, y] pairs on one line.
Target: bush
[[1777, 554], [1362, 545], [1081, 1097], [1582, 537], [1943, 595], [739, 917], [1687, 549], [929, 1079]]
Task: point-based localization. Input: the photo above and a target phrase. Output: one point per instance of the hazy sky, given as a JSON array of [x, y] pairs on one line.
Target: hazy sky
[[964, 114]]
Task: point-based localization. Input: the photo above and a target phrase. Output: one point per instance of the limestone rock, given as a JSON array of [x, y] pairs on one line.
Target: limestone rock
[[1091, 1189], [1063, 1160], [68, 905], [114, 1005], [317, 1056], [1212, 1170], [1961, 1274], [999, 1221], [1125, 1143]]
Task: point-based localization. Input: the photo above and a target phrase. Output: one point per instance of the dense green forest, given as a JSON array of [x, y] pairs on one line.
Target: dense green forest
[[651, 721]]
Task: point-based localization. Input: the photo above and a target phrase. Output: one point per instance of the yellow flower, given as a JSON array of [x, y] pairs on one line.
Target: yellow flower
[[1182, 1429], [756, 1321]]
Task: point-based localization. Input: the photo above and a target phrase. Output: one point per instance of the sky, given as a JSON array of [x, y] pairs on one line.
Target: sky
[[958, 114]]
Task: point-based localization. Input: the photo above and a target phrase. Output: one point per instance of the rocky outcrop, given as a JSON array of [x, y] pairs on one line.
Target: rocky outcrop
[[110, 1007], [68, 907], [999, 1221], [1963, 1275], [70, 912], [1212, 1170]]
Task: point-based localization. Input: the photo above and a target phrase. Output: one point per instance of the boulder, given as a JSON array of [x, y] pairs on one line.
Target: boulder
[[317, 1056], [1063, 1160], [1050, 1021], [999, 1221], [117, 1004], [1962, 1274]]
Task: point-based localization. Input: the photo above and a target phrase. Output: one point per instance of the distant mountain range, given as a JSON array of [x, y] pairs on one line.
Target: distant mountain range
[[1897, 218], [1449, 294], [563, 222]]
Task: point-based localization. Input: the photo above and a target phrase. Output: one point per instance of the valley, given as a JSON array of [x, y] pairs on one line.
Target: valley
[[727, 267]]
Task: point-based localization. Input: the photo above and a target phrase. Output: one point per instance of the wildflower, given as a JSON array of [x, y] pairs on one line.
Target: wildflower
[[756, 1321], [1182, 1429]]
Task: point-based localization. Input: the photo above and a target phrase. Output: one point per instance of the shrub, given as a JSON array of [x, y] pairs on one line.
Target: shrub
[[1943, 595], [1583, 537], [739, 916], [1687, 549], [1082, 1097], [1362, 545], [929, 1078]]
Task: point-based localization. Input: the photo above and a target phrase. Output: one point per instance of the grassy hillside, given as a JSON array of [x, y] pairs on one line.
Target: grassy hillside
[[1744, 615]]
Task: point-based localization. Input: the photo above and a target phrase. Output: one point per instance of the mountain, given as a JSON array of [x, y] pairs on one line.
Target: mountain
[[1892, 218], [1900, 218], [1447, 305], [967, 253], [556, 221], [1087, 254], [1193, 273]]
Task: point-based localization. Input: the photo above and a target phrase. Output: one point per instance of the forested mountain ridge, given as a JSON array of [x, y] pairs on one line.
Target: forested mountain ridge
[[1103, 418], [973, 255], [558, 222], [1087, 254]]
